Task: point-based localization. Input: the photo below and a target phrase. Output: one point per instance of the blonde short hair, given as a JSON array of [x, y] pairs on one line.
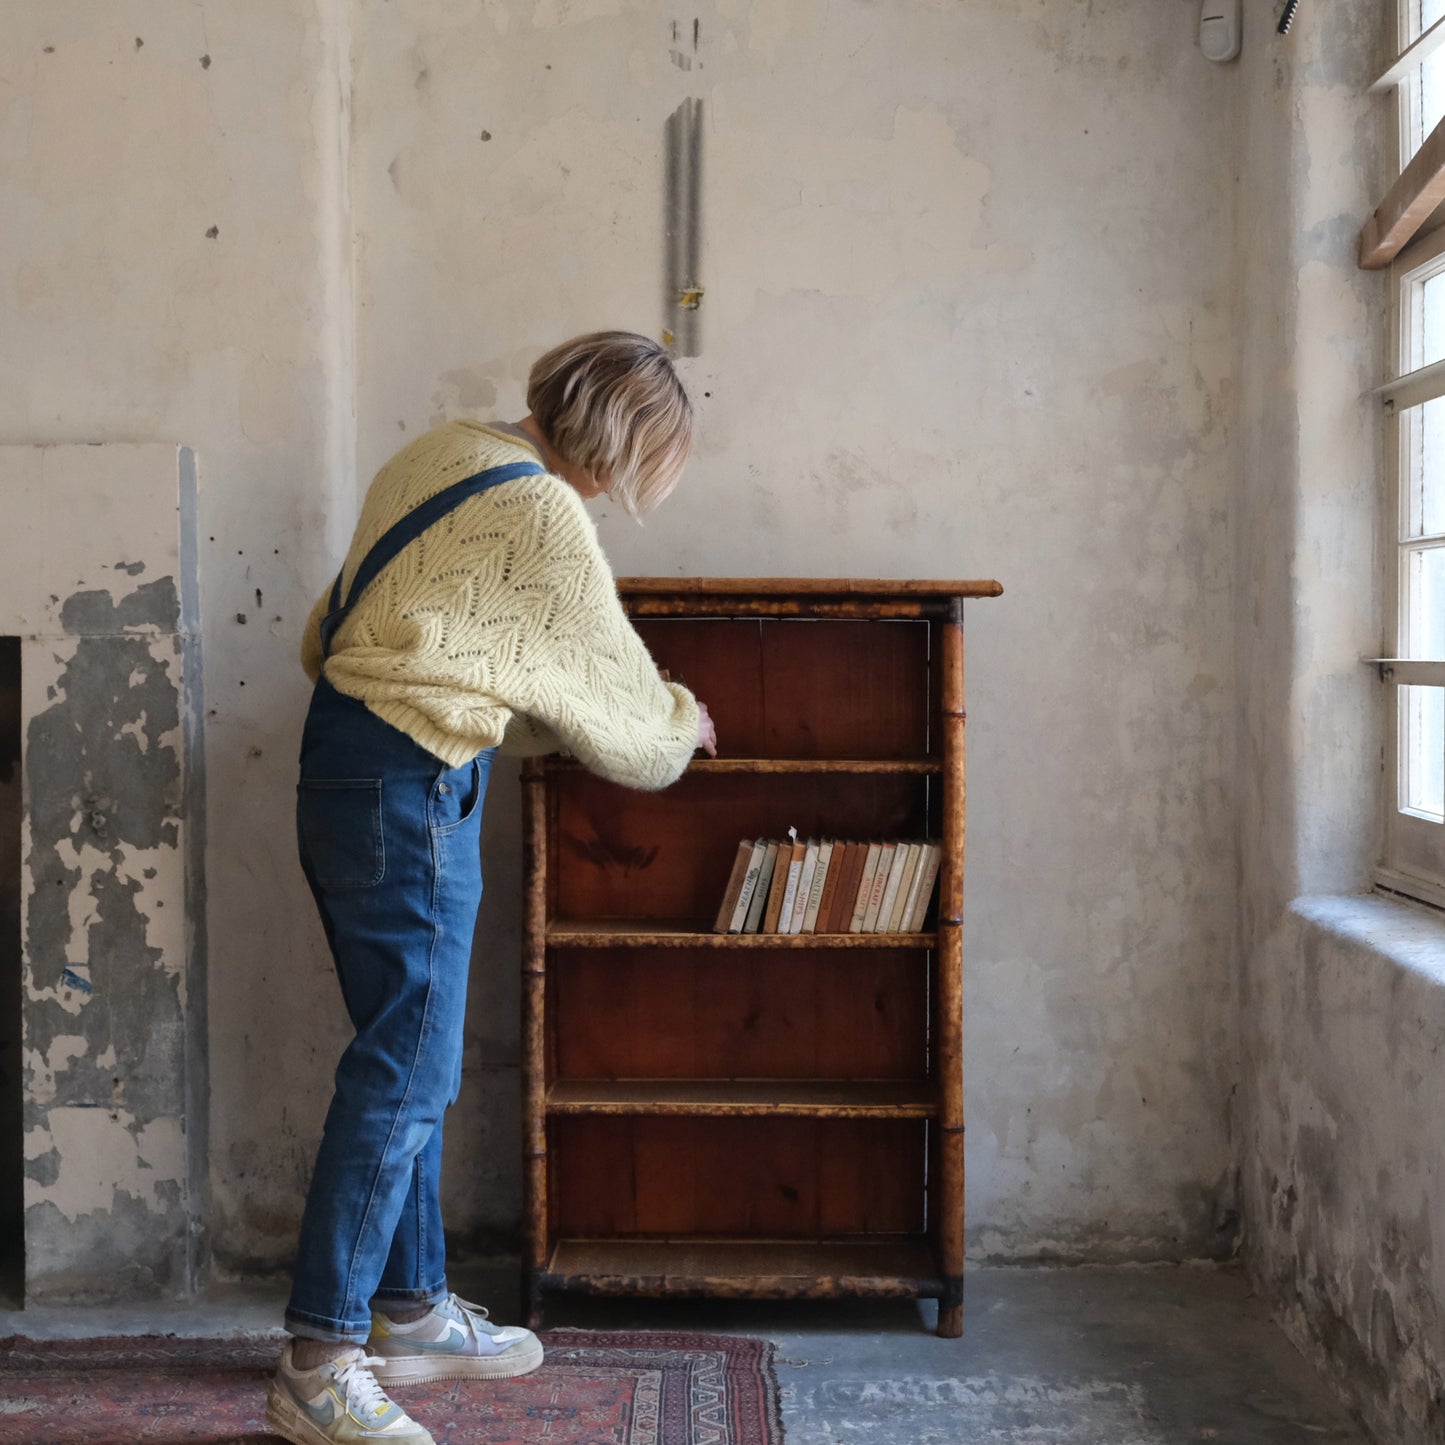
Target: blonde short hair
[[611, 403]]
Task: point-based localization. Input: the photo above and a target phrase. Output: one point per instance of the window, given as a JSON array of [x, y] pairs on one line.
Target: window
[[1415, 461]]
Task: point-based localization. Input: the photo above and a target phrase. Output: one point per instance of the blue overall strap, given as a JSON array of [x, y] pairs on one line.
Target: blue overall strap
[[407, 530]]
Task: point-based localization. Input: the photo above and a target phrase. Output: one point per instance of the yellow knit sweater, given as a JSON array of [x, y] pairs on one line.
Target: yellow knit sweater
[[500, 625]]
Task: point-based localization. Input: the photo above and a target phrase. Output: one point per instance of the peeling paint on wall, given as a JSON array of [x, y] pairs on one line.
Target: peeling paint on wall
[[107, 951]]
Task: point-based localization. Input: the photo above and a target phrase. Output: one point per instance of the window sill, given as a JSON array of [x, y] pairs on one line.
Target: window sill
[[1399, 931]]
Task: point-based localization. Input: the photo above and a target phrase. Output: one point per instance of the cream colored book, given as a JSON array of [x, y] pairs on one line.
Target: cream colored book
[[890, 918], [750, 884], [865, 888], [915, 885], [760, 894], [790, 893], [880, 882], [890, 888], [925, 892], [805, 884], [815, 892]]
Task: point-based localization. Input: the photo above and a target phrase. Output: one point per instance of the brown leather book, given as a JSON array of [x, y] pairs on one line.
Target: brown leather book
[[844, 891], [781, 869]]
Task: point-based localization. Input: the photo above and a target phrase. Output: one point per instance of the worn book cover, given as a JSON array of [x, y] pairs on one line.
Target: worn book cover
[[805, 882], [880, 882], [925, 892], [865, 887], [750, 883], [815, 889], [734, 886], [760, 894]]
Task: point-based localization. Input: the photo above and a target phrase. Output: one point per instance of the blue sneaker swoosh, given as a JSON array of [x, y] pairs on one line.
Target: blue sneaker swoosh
[[315, 1412]]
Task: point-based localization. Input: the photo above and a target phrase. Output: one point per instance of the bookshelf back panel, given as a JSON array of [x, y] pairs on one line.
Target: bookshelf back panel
[[651, 1013], [619, 853], [803, 689], [780, 1178]]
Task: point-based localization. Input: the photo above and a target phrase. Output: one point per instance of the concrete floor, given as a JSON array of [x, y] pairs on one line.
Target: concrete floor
[[1146, 1356]]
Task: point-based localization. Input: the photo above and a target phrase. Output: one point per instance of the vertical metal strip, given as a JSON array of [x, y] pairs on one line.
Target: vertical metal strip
[[682, 215]]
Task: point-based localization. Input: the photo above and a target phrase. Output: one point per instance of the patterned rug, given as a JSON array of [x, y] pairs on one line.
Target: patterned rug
[[596, 1388]]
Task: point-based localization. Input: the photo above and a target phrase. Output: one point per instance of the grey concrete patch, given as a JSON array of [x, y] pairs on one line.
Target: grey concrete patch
[[93, 613]]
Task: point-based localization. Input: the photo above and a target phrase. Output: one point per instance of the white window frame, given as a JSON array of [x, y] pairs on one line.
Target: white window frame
[[1414, 846]]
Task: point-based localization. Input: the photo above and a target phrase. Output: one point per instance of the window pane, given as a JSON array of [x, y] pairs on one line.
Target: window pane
[[1432, 96], [1425, 604], [1423, 714], [1428, 87], [1424, 461], [1430, 320]]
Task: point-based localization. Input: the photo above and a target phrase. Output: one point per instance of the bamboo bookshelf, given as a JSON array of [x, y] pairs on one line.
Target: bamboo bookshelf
[[753, 1115]]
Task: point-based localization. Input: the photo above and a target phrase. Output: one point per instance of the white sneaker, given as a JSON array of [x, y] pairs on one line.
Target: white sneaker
[[455, 1341], [337, 1403]]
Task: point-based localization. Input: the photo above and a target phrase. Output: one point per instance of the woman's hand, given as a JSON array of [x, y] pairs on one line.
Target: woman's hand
[[706, 732]]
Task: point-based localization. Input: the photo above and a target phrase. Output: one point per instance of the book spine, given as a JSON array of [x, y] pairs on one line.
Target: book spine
[[905, 889], [779, 887], [865, 887], [880, 882], [847, 893], [750, 883], [790, 893], [760, 893], [805, 882], [836, 859], [911, 885], [734, 887], [815, 890], [891, 887], [925, 892]]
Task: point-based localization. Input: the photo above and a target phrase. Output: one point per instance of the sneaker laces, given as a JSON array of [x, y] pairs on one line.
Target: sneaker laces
[[360, 1386], [475, 1317]]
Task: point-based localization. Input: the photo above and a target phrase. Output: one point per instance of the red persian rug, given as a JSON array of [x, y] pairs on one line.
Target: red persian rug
[[596, 1388]]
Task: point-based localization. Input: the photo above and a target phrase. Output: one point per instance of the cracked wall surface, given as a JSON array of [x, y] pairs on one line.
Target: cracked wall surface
[[973, 316], [981, 297], [1343, 997], [110, 1204]]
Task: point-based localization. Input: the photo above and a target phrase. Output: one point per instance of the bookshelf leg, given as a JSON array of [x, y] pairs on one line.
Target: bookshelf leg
[[950, 1308]]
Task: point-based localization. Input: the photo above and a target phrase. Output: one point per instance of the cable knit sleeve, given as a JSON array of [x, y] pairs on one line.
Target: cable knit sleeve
[[587, 678]]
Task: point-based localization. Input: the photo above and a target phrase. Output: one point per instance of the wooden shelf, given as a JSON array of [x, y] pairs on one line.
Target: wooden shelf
[[879, 1268], [769, 1098], [694, 933], [747, 589], [862, 767], [833, 1164]]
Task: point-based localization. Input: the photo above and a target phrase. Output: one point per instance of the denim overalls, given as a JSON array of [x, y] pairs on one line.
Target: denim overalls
[[390, 844]]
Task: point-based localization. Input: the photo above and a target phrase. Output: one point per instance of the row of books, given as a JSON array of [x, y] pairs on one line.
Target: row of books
[[790, 886]]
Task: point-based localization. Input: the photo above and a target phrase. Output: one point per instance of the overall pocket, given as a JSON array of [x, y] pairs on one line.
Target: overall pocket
[[459, 792], [339, 823]]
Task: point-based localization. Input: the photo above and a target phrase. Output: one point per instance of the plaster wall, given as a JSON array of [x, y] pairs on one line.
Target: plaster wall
[[107, 700], [968, 311], [1343, 999], [175, 267]]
